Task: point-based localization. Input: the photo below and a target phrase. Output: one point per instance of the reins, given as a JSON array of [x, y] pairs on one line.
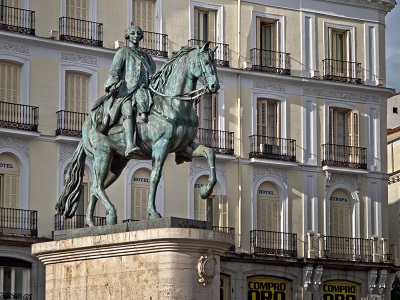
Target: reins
[[184, 97]]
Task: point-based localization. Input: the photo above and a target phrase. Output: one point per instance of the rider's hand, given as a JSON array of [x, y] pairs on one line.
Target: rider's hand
[[110, 88]]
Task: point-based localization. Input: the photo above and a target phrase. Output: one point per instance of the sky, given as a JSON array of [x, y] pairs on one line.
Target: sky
[[393, 48]]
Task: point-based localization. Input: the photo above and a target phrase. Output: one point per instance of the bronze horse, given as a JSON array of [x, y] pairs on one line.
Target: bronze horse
[[172, 127]]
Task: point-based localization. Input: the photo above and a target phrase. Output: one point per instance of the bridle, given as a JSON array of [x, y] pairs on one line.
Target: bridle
[[198, 93]]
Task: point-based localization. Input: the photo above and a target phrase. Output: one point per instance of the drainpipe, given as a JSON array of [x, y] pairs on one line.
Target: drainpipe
[[239, 124]]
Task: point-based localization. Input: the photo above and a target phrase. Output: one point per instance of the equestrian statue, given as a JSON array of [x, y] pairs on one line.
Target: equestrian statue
[[143, 115]]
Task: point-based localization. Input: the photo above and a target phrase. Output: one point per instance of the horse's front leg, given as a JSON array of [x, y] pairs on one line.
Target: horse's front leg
[[159, 155], [208, 153]]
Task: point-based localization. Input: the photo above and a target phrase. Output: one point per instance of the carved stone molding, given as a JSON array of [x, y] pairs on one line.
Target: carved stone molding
[[271, 86], [19, 145], [307, 275], [83, 59], [14, 47], [372, 276], [384, 5], [199, 165], [260, 172], [353, 180], [317, 277], [206, 268], [133, 163], [65, 152], [340, 95]]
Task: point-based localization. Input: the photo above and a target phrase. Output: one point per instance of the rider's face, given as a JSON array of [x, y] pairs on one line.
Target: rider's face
[[135, 35]]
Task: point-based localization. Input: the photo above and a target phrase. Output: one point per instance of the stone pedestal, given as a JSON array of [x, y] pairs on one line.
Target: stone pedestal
[[168, 258]]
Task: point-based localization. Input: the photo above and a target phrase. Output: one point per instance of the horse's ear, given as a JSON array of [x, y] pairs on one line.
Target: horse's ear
[[205, 46]]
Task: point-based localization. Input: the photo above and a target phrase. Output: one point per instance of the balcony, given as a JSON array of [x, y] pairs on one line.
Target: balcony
[[347, 248], [270, 61], [19, 222], [343, 71], [17, 20], [15, 296], [155, 43], [81, 31], [19, 116], [273, 243], [70, 123], [77, 221], [344, 156], [221, 54], [220, 141], [272, 148]]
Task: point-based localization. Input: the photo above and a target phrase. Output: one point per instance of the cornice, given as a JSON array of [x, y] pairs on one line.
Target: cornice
[[383, 5]]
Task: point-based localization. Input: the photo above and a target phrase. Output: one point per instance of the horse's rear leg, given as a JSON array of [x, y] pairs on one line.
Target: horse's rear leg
[[117, 166], [160, 152], [208, 153]]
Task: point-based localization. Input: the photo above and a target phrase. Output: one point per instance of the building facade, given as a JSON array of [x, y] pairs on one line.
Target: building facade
[[298, 127]]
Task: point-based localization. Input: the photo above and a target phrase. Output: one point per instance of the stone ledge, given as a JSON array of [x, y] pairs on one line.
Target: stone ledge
[[169, 222]]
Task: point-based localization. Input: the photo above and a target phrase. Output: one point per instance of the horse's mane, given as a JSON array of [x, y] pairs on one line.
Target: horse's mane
[[158, 80]]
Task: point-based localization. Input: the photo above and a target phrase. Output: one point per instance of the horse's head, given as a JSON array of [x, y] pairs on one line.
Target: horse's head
[[205, 68]]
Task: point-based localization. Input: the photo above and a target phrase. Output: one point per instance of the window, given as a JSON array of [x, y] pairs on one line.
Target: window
[[339, 44], [204, 24], [143, 14], [207, 110], [268, 207], [140, 187], [268, 118], [9, 182], [11, 3], [340, 214], [9, 82], [268, 42], [77, 9], [76, 92], [224, 287], [343, 127], [213, 209], [14, 278], [395, 110]]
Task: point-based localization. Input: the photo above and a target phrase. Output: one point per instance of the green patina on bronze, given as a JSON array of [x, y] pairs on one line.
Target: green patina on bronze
[[141, 118]]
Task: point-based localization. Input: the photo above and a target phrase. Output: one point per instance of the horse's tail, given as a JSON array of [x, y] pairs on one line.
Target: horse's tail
[[69, 198]]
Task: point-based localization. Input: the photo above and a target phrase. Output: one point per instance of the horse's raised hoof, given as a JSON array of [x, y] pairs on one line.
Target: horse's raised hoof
[[111, 219], [205, 192]]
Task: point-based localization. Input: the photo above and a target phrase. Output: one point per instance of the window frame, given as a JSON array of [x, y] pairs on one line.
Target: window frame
[[157, 15], [219, 25], [92, 10], [279, 19], [332, 27]]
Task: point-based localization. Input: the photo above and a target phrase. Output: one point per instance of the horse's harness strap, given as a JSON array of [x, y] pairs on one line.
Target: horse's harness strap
[[183, 97]]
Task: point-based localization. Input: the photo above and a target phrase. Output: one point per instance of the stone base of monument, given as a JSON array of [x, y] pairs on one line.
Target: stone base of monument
[[168, 258]]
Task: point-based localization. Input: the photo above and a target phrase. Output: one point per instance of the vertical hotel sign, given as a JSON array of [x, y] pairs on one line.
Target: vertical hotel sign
[[268, 288], [339, 291]]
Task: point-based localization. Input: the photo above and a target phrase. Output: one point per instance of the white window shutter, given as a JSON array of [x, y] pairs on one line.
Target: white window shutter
[[76, 92], [10, 82], [211, 26], [11, 187]]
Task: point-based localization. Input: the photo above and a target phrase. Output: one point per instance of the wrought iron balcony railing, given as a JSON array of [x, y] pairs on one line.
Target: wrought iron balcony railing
[[155, 43], [344, 71], [17, 20], [19, 116], [15, 296], [77, 221], [273, 243], [70, 123], [81, 31], [272, 148], [344, 156], [220, 141], [18, 221], [348, 248], [130, 220], [270, 61], [221, 54]]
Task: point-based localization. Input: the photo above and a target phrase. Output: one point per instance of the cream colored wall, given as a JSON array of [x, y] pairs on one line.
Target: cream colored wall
[[45, 89], [47, 14], [43, 184]]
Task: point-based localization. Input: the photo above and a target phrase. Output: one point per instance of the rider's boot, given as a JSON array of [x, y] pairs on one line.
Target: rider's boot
[[130, 137]]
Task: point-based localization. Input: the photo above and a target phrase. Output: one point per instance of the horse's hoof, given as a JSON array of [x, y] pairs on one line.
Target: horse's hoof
[[111, 219], [155, 215]]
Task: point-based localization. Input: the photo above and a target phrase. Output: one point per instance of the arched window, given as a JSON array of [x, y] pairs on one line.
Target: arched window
[[340, 214], [14, 278], [10, 82], [213, 209], [140, 185], [9, 181], [268, 207]]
